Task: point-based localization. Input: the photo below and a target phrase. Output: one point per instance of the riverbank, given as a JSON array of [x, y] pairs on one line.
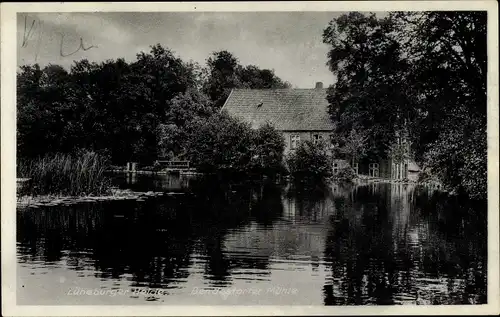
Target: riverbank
[[364, 179], [55, 200], [26, 199]]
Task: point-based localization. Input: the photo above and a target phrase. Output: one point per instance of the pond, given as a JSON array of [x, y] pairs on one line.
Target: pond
[[214, 242]]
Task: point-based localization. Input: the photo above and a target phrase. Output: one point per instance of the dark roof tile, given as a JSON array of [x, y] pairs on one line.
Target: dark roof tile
[[286, 109]]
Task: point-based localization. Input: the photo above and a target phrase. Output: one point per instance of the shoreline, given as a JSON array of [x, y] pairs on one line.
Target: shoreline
[[162, 172], [28, 201]]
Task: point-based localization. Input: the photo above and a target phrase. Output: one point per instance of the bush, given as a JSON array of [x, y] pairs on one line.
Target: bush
[[310, 161], [223, 143], [459, 159], [345, 175], [220, 143], [66, 174], [267, 151]]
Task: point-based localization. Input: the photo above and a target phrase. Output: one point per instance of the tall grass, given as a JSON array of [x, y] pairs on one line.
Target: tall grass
[[79, 174]]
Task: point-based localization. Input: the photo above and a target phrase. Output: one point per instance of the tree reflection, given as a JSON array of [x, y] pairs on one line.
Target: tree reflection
[[151, 241], [389, 245], [384, 244]]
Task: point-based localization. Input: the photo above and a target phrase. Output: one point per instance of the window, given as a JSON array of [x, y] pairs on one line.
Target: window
[[317, 138], [355, 166], [373, 170], [294, 141]]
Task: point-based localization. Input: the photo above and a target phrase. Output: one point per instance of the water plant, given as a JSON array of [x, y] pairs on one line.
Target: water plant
[[79, 174]]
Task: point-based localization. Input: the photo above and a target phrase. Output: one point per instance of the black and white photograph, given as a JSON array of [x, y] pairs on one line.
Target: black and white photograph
[[333, 157]]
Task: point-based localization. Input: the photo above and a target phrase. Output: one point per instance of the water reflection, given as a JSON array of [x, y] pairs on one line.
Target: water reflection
[[397, 247], [337, 245]]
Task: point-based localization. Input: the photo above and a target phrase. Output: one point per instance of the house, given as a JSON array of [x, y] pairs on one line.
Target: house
[[389, 168], [300, 114]]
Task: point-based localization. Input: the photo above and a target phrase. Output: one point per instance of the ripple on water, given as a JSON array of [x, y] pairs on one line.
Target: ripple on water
[[364, 246]]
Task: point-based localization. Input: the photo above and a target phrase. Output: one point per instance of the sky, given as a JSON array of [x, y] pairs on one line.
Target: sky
[[288, 42]]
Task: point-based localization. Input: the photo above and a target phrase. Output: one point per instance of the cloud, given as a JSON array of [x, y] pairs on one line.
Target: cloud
[[90, 25], [290, 43]]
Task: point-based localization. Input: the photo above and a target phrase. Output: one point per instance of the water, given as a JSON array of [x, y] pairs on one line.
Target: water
[[215, 243]]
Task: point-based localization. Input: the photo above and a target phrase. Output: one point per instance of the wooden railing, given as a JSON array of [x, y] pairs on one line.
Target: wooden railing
[[174, 164]]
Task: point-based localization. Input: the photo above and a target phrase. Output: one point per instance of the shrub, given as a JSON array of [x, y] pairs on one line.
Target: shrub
[[66, 174], [459, 160], [310, 161], [223, 143], [345, 175], [220, 143], [267, 151]]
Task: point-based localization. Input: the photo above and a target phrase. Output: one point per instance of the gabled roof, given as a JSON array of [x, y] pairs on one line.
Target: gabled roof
[[285, 109]]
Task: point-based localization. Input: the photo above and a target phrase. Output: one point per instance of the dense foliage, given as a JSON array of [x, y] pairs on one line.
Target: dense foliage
[[310, 161], [421, 72], [224, 73], [351, 146], [268, 148], [220, 143], [135, 111], [223, 143], [345, 175]]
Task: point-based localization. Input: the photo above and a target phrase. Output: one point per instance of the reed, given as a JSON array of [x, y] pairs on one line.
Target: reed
[[79, 174]]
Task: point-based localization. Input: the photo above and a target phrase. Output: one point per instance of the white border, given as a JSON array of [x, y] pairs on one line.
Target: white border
[[8, 150]]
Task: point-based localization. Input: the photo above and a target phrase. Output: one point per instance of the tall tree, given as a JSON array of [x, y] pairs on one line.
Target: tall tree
[[371, 94], [420, 71], [449, 53], [255, 78], [43, 106], [223, 76], [113, 107], [224, 72], [174, 131]]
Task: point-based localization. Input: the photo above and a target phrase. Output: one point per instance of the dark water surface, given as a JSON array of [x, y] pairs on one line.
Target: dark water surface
[[210, 242]]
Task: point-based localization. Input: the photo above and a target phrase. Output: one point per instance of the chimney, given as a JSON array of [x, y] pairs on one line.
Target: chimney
[[319, 85]]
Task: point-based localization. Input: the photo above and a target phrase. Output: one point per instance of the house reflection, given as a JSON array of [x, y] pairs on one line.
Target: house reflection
[[379, 244], [297, 229]]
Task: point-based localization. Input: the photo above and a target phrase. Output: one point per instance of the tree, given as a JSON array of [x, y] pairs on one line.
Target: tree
[[310, 161], [225, 73], [223, 76], [184, 108], [44, 99], [113, 106], [170, 139], [100, 114], [268, 148], [156, 78], [220, 143], [353, 146], [255, 78], [371, 94], [450, 57], [30, 114], [424, 72]]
